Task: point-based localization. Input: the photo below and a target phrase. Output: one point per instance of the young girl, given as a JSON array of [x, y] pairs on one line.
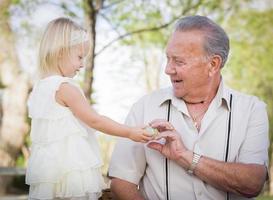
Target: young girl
[[65, 161]]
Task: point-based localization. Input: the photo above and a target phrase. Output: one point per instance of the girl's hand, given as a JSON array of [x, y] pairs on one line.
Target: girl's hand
[[140, 135]]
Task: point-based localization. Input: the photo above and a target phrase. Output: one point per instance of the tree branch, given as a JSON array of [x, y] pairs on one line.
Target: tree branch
[[109, 22], [185, 11], [110, 5], [136, 32]]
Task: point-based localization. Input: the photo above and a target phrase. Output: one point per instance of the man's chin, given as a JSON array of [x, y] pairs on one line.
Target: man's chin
[[178, 94]]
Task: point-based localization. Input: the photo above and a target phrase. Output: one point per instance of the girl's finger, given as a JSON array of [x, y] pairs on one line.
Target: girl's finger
[[144, 137], [144, 126]]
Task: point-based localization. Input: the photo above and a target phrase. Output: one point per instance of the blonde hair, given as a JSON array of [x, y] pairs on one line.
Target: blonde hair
[[58, 40]]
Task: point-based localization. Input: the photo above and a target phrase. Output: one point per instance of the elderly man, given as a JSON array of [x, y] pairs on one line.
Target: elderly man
[[217, 148]]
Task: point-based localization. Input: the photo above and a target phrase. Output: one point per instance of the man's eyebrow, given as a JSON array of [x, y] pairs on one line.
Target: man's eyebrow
[[177, 57], [174, 56]]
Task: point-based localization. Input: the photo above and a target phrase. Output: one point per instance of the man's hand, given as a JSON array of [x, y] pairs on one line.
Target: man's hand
[[173, 148]]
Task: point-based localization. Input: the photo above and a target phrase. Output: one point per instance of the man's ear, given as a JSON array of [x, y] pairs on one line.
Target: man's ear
[[215, 64]]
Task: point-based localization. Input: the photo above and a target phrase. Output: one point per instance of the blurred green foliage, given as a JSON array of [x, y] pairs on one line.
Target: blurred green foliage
[[250, 67]]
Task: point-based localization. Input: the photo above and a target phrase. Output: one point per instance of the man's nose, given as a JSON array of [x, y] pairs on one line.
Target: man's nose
[[170, 69]]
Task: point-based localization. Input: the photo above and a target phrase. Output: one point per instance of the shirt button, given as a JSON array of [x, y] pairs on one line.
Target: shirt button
[[199, 193]]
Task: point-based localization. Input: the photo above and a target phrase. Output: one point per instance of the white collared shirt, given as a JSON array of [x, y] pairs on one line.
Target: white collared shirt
[[248, 143]]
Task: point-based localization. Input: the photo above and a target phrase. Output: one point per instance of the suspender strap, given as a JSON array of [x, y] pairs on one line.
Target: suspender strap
[[166, 160], [228, 135], [229, 126]]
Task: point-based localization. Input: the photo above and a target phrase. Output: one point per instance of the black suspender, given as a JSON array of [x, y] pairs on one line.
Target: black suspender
[[166, 160], [228, 134], [229, 126]]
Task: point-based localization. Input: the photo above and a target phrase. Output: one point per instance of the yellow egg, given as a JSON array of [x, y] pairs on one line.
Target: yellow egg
[[152, 131]]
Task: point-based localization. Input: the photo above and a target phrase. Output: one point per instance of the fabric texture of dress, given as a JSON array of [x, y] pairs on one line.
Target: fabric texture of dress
[[65, 159]]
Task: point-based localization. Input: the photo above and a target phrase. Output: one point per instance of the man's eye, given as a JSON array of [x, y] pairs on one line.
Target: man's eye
[[179, 62]]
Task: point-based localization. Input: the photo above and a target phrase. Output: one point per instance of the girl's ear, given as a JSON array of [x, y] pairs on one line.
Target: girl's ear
[[215, 64]]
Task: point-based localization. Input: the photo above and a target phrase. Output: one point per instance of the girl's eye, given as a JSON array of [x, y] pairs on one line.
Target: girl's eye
[[80, 57]]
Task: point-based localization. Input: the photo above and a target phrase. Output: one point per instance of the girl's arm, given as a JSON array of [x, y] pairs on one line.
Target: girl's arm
[[70, 96]]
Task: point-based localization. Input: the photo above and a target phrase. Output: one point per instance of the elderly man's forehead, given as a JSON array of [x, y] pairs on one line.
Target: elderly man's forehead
[[187, 36], [185, 41]]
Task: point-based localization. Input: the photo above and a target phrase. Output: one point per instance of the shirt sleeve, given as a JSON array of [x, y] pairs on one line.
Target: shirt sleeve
[[128, 160], [254, 149]]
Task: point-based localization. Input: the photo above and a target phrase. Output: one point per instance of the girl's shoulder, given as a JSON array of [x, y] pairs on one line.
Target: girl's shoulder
[[54, 81], [49, 85], [42, 102]]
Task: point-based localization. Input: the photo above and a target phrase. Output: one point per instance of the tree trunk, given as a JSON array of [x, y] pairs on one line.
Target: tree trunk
[[91, 10], [13, 95]]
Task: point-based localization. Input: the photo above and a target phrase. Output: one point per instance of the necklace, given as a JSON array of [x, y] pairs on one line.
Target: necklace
[[204, 106], [195, 120], [192, 103]]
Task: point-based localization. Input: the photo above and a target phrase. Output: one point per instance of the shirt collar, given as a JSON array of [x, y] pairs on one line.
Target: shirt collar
[[222, 98], [176, 102]]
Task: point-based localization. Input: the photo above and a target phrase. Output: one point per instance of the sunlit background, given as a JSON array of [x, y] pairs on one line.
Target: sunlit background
[[132, 65]]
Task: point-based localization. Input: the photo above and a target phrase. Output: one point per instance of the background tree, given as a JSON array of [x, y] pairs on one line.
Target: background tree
[[13, 94]]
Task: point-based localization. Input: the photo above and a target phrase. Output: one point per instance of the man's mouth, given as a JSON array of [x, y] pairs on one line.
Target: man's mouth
[[176, 81]]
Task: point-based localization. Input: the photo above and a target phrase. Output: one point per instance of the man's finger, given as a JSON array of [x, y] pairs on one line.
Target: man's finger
[[167, 135], [157, 121], [162, 125], [155, 146]]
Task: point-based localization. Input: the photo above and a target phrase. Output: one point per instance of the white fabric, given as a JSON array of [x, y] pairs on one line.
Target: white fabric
[[138, 164], [65, 159]]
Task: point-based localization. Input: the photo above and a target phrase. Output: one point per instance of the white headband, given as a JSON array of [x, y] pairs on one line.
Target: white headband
[[78, 36]]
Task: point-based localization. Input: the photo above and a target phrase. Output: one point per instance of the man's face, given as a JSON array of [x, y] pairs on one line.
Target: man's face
[[187, 63]]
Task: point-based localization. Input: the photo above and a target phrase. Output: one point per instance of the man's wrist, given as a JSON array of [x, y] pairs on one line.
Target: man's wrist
[[195, 160], [185, 159]]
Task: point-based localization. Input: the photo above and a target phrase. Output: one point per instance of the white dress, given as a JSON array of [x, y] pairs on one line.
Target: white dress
[[65, 159]]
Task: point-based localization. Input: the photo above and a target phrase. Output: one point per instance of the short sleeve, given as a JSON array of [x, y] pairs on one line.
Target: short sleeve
[[255, 147], [128, 161]]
